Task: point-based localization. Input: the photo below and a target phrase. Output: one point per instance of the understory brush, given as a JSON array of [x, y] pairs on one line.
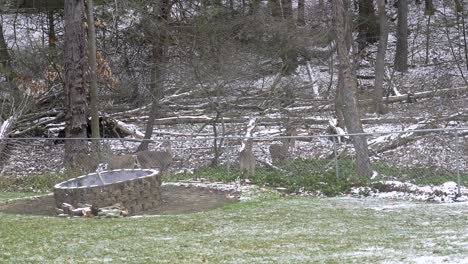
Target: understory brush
[[32, 183], [418, 175], [297, 175], [320, 176]]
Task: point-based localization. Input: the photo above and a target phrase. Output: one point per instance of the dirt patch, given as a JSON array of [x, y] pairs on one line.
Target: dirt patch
[[175, 200]]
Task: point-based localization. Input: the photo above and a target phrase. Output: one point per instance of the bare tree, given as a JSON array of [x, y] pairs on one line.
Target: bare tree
[[75, 62], [92, 74], [401, 54], [429, 9], [367, 23], [300, 13], [275, 8], [380, 60], [6, 68], [158, 59], [287, 10], [342, 25]]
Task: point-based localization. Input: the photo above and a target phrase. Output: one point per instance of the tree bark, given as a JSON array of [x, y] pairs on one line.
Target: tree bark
[[339, 101], [93, 86], [287, 10], [367, 23], [75, 62], [6, 68], [157, 73], [275, 8], [253, 6], [351, 115], [458, 6], [401, 54], [52, 35], [429, 9], [300, 13], [380, 60]]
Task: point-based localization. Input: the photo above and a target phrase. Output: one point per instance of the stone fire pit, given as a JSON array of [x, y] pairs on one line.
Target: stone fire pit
[[136, 190]]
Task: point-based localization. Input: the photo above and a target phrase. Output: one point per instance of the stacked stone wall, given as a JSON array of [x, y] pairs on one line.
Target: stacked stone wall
[[136, 195]]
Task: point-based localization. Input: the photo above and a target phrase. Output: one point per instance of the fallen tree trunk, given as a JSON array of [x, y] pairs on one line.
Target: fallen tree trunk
[[128, 129], [30, 127], [390, 99], [426, 94], [268, 121], [393, 141]]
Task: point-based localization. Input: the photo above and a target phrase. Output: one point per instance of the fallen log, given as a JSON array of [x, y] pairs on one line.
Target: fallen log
[[269, 121], [128, 129], [393, 141], [426, 94], [391, 99], [41, 125]]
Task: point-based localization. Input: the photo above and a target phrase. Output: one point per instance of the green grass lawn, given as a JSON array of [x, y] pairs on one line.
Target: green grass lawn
[[7, 196], [265, 230]]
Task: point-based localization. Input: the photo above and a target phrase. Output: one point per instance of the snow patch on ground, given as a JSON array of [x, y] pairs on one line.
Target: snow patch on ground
[[444, 193], [244, 192], [436, 259]]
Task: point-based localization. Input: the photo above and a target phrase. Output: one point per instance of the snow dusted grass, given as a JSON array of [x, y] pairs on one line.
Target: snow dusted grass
[[265, 230], [8, 196]]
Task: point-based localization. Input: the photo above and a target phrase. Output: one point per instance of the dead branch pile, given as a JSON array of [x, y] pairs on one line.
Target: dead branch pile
[[87, 210]]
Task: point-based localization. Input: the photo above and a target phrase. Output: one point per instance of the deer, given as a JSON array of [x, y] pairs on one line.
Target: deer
[[126, 161], [280, 152], [247, 160], [86, 163], [156, 159]]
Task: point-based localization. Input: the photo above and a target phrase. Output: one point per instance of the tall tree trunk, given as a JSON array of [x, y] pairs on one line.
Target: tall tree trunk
[[380, 60], [253, 6], [300, 13], [75, 62], [6, 68], [428, 38], [289, 51], [275, 8], [429, 9], [465, 43], [401, 54], [350, 111], [287, 10], [339, 101], [367, 23], [52, 35], [93, 86], [52, 48], [157, 73], [15, 99], [458, 6]]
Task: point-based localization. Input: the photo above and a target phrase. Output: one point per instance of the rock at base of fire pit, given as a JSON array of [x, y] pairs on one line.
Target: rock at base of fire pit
[[87, 210], [135, 190]]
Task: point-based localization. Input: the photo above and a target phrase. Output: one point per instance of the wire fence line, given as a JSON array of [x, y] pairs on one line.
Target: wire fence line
[[399, 155], [195, 137]]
